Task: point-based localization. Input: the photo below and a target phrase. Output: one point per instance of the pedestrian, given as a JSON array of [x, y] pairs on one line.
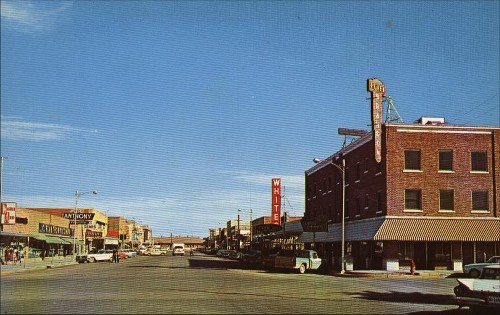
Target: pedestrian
[[114, 255], [19, 255], [14, 256]]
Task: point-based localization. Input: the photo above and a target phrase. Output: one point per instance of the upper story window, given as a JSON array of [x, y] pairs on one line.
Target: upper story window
[[358, 171], [480, 200], [446, 199], [479, 161], [413, 199], [412, 160], [446, 160]]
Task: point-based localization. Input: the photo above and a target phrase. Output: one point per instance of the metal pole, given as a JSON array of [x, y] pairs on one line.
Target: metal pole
[[77, 194], [1, 185], [343, 217]]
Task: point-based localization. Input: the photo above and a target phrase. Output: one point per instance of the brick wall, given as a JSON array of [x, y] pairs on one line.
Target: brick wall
[[429, 179]]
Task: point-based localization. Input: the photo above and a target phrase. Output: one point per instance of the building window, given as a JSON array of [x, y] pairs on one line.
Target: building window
[[379, 202], [479, 161], [446, 199], [324, 185], [412, 160], [358, 171], [378, 168], [442, 253], [446, 160], [413, 199], [329, 184], [480, 200], [366, 202], [366, 165], [358, 206]]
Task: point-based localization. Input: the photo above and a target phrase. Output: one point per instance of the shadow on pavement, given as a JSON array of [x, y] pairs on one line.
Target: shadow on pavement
[[408, 297], [220, 264]]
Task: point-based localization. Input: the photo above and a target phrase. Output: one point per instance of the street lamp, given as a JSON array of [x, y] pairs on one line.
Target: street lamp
[[250, 210], [342, 171], [78, 195]]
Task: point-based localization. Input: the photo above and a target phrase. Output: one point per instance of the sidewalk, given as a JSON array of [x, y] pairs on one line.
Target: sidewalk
[[399, 274], [34, 264]]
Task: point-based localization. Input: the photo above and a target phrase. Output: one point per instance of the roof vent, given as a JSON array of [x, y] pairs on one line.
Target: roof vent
[[430, 121]]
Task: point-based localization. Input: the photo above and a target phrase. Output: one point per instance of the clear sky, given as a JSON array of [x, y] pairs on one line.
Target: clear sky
[[180, 112]]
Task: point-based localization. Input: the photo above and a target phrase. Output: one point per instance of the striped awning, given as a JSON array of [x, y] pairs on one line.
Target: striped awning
[[440, 229], [411, 229]]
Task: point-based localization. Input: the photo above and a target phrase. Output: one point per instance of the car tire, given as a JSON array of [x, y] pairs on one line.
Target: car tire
[[91, 259], [474, 273], [302, 268]]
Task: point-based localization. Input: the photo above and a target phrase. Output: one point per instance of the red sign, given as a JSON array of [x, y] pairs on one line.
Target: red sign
[[8, 213], [276, 201], [377, 88], [113, 233]]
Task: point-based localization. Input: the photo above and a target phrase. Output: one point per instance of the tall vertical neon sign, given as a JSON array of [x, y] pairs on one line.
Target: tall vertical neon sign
[[276, 201], [377, 89]]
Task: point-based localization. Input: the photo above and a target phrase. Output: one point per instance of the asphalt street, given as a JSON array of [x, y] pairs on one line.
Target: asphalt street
[[209, 285]]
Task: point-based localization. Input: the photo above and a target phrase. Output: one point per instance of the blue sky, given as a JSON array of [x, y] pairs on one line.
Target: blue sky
[[180, 112]]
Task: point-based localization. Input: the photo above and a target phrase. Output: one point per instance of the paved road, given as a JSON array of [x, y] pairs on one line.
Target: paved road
[[205, 284]]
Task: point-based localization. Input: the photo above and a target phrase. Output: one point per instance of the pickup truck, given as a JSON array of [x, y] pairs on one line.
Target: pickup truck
[[100, 255], [300, 260]]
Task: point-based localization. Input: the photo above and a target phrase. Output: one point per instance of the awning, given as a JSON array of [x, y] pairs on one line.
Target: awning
[[13, 234], [50, 239], [410, 229], [66, 240]]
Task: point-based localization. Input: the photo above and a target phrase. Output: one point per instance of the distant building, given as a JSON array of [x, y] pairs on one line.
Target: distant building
[[433, 198], [190, 242]]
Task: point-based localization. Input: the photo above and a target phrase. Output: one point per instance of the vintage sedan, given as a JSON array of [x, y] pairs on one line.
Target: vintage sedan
[[482, 293], [474, 270]]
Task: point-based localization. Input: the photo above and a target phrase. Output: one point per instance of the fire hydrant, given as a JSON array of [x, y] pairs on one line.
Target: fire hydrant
[[412, 267]]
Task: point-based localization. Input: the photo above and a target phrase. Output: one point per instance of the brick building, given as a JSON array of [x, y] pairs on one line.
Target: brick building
[[433, 198]]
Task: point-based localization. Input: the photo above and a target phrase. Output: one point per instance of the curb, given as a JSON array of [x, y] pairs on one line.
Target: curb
[[388, 275], [34, 267]]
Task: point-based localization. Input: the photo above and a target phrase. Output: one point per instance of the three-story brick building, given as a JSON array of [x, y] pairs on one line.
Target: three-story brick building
[[433, 198]]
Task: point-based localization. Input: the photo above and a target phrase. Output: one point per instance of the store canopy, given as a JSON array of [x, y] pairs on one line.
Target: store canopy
[[13, 234], [50, 239], [430, 229], [66, 240]]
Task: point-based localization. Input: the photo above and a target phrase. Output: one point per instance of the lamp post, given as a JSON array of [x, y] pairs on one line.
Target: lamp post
[[342, 171], [250, 210], [77, 196]]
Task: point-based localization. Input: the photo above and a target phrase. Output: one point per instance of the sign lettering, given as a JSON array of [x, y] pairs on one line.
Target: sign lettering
[[276, 201], [52, 229], [377, 89], [9, 213]]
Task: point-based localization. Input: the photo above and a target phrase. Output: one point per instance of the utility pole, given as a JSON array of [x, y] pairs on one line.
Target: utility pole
[[1, 185]]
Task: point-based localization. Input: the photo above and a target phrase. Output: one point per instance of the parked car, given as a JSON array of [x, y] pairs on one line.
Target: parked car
[[474, 270], [130, 253], [122, 255], [222, 253], [250, 256], [480, 293], [93, 256], [232, 254]]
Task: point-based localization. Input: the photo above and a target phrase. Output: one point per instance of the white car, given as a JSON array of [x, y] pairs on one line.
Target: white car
[[481, 293], [474, 270]]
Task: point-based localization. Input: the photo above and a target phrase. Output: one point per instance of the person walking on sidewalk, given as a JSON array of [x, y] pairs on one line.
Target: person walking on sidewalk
[[19, 256]]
